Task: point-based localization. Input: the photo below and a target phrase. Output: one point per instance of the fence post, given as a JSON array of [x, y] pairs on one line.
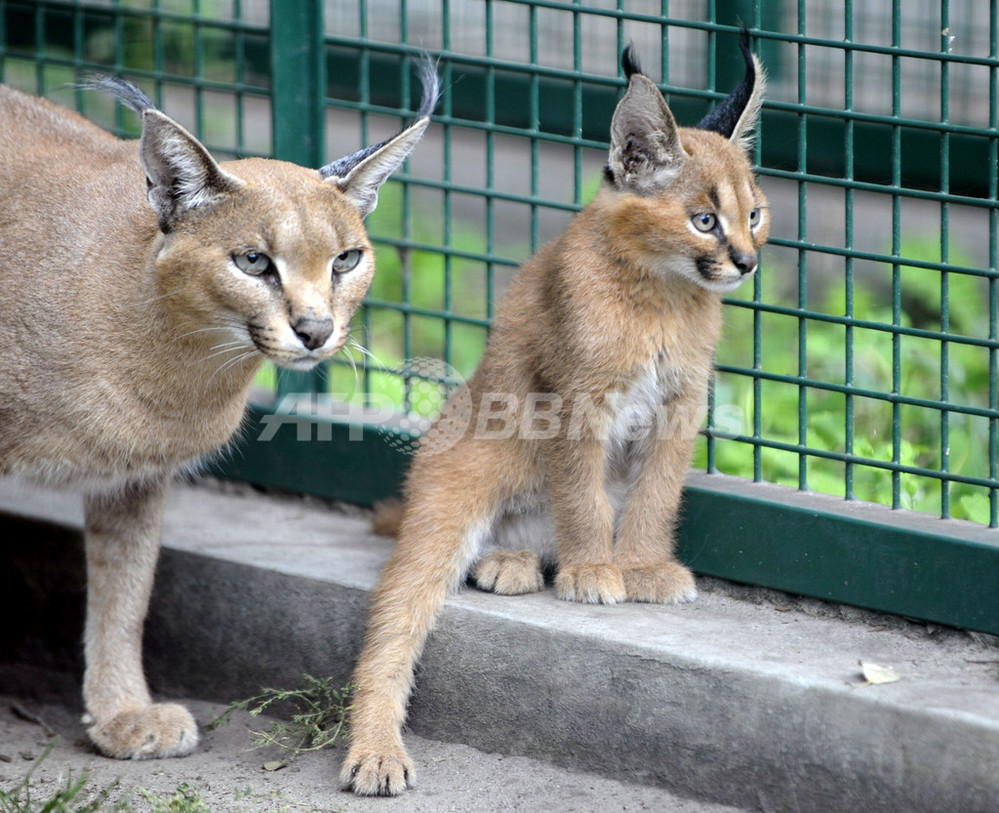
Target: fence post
[[298, 114]]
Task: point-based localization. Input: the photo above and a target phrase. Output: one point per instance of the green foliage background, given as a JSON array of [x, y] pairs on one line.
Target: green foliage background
[[426, 275], [966, 381]]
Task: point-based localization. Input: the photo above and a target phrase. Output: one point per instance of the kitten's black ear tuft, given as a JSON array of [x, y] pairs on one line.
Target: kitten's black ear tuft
[[645, 150], [629, 61], [735, 117]]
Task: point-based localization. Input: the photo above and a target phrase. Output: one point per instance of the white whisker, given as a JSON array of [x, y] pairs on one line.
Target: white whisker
[[353, 366], [223, 349], [356, 345], [376, 363], [233, 326], [154, 299], [230, 363]]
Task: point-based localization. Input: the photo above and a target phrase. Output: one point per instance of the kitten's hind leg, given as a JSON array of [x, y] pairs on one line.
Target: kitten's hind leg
[[122, 544], [510, 573], [451, 500], [524, 537], [426, 564]]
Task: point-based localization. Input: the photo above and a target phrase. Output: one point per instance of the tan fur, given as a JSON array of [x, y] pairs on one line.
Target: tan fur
[[388, 517], [130, 338], [615, 325]]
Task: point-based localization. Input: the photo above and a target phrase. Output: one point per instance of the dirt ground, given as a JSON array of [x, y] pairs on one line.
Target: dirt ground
[[229, 776]]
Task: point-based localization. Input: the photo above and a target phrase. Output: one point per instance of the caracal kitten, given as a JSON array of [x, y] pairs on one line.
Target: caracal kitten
[[584, 408], [143, 285]]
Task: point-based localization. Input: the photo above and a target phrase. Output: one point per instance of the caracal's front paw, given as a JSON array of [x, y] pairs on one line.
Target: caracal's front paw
[[147, 732], [510, 573], [377, 772], [661, 583], [591, 584]]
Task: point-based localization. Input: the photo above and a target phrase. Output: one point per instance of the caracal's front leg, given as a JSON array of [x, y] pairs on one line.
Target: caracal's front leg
[[122, 544], [584, 522], [645, 546]]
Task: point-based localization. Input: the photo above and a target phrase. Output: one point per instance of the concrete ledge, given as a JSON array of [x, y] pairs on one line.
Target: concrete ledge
[[752, 701]]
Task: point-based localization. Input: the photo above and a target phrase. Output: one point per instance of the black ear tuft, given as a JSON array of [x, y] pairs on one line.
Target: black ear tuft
[[360, 175], [645, 150], [180, 173], [629, 61], [729, 117], [123, 90]]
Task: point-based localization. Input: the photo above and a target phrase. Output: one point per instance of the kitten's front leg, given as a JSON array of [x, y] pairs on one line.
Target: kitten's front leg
[[645, 543], [122, 544], [584, 522]]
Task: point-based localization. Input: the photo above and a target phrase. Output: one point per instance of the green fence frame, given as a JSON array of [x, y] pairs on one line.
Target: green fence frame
[[934, 568]]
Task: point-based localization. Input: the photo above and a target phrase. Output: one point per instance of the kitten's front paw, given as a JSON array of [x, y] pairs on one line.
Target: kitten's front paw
[[591, 584], [509, 573], [661, 583], [377, 772], [148, 732]]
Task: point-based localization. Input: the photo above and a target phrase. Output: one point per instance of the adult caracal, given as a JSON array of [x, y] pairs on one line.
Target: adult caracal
[[143, 284], [584, 408]]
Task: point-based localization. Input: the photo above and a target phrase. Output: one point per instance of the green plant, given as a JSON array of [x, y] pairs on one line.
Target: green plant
[[316, 714], [186, 799], [72, 797]]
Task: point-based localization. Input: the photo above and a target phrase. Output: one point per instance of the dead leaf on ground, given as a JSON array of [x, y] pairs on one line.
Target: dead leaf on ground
[[875, 674]]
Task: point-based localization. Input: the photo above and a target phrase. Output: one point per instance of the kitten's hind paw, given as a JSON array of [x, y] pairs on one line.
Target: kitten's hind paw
[[510, 573], [147, 732], [590, 584], [661, 583], [369, 773]]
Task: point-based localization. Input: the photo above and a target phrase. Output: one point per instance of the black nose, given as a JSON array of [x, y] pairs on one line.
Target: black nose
[[313, 332], [746, 263]]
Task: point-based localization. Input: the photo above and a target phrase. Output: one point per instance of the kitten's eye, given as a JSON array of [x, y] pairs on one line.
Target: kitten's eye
[[254, 263], [346, 261], [704, 222], [755, 217]]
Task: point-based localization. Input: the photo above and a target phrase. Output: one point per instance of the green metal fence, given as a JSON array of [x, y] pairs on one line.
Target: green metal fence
[[861, 361]]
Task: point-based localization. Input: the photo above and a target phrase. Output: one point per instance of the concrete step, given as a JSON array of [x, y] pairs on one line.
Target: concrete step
[[745, 698]]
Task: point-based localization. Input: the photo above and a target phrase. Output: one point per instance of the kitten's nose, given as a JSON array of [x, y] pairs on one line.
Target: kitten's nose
[[746, 263], [313, 333]]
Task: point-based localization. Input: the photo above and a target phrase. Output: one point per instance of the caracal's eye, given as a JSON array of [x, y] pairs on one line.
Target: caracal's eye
[[346, 261], [254, 263], [704, 222], [755, 217]]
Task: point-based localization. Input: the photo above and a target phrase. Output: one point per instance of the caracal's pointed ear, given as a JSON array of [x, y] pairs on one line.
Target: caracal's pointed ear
[[360, 175], [736, 116], [645, 149], [180, 173]]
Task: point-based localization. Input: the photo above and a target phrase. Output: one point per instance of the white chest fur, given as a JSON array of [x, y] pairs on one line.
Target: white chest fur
[[642, 413], [636, 408]]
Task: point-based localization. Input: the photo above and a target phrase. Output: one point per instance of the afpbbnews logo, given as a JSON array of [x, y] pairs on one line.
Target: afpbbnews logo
[[429, 426]]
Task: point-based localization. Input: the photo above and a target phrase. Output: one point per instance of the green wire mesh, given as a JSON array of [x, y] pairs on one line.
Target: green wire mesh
[[860, 362]]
